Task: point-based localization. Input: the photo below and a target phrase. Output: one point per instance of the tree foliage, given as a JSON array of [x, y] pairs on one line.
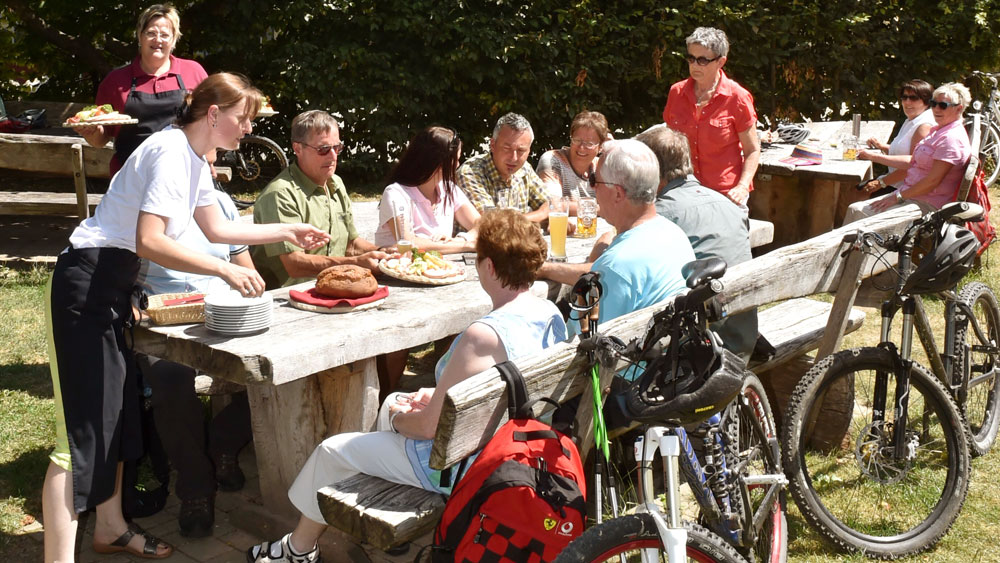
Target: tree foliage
[[390, 67]]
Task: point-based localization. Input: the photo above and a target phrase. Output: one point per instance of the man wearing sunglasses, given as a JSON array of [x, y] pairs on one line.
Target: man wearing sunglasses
[[503, 178], [309, 191], [718, 118], [642, 264]]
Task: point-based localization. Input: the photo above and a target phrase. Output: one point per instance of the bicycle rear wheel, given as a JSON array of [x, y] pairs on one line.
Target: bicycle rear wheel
[[982, 404], [628, 536], [859, 495], [254, 165], [758, 454], [989, 154]]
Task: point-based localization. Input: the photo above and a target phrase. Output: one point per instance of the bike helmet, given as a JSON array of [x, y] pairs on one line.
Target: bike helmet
[[946, 264], [792, 134], [708, 378]]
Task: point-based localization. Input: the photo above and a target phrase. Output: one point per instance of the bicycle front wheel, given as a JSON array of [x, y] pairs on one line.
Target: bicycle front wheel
[[758, 455], [254, 165], [981, 405], [858, 493], [989, 154], [635, 538]]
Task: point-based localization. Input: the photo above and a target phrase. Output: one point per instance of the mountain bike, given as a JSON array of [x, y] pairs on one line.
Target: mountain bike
[[895, 483], [710, 422], [254, 164], [989, 148]]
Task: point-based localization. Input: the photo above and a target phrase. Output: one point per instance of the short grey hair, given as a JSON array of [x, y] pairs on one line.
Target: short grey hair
[[312, 121], [514, 121], [632, 165], [954, 92], [712, 39], [672, 152]]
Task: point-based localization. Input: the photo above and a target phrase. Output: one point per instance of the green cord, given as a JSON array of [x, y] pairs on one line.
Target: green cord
[[600, 431]]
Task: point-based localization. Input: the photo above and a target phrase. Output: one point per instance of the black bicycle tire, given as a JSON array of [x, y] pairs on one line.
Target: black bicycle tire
[[989, 152], [239, 184], [938, 521], [981, 436], [753, 391], [605, 541]]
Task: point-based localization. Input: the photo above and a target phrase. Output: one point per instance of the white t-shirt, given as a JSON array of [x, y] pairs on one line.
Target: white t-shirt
[[901, 144], [163, 176], [428, 221]]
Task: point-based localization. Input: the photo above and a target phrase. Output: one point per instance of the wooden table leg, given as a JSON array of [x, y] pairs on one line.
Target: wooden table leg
[[289, 420]]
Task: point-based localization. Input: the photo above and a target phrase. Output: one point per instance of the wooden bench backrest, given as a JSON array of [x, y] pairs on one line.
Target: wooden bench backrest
[[474, 408], [975, 141], [51, 154], [56, 113]]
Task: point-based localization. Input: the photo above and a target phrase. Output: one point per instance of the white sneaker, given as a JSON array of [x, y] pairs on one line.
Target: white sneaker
[[281, 552]]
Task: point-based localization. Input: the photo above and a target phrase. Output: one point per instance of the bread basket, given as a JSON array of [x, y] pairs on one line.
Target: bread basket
[[179, 313]]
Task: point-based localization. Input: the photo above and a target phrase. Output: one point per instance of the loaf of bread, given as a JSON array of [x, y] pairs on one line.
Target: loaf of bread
[[346, 281]]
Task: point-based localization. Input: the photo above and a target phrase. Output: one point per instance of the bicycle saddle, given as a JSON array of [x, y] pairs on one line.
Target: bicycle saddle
[[702, 271]]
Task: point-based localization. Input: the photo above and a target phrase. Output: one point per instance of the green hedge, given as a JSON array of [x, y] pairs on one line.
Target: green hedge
[[390, 67]]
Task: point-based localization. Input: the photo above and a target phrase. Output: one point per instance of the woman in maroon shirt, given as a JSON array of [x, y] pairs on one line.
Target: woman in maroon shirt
[[151, 88]]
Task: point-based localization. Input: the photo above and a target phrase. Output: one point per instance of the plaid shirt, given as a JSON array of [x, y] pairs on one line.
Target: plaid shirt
[[481, 181]]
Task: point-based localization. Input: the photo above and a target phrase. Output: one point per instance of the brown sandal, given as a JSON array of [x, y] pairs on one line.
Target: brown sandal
[[148, 549]]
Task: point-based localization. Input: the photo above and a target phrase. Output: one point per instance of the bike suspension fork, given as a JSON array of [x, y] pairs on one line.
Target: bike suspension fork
[[903, 380], [673, 535]]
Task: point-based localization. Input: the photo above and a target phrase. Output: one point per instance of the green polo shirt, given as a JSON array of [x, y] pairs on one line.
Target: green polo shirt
[[293, 198]]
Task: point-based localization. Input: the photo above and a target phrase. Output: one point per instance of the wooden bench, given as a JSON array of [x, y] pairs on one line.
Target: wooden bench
[[57, 152], [384, 514]]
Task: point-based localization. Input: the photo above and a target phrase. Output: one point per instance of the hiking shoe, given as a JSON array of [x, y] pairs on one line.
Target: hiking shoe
[[228, 474], [281, 552], [197, 517]]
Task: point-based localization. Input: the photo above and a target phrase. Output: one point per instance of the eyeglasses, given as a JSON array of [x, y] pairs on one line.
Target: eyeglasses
[[594, 181], [324, 150], [943, 105], [702, 61], [909, 97], [153, 35], [589, 145]]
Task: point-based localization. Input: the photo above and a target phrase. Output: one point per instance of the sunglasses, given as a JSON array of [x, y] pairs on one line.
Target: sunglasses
[[325, 149], [909, 98], [594, 181], [702, 61], [943, 105], [589, 145]]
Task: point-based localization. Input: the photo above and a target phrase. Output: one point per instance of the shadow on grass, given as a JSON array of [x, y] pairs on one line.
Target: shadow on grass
[[20, 478], [33, 379]]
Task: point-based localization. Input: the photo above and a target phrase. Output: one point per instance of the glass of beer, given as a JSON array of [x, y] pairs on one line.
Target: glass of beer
[[558, 224], [586, 217], [850, 145]]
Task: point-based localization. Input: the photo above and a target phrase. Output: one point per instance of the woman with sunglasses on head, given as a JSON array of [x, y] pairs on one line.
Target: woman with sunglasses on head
[[915, 100], [717, 116], [163, 186], [931, 176], [422, 202], [572, 166], [151, 88]]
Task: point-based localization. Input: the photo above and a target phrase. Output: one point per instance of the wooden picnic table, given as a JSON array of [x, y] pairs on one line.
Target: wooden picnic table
[[805, 201]]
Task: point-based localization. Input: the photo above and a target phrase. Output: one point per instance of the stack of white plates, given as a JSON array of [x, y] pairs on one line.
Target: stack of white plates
[[231, 314]]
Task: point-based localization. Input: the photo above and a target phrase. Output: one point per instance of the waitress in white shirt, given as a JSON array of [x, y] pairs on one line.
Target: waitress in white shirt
[[152, 199]]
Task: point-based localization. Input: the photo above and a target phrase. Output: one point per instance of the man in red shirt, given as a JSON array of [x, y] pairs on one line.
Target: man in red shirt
[[717, 116]]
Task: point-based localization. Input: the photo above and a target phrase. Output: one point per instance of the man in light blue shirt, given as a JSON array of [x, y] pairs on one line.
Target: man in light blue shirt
[[642, 264]]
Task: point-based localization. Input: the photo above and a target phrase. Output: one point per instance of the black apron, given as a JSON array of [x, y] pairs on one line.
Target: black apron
[[154, 112]]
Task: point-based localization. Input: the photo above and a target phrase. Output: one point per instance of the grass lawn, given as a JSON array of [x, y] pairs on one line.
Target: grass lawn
[[27, 435]]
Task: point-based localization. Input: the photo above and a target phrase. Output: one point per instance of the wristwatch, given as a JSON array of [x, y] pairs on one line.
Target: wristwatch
[[881, 181], [899, 196]]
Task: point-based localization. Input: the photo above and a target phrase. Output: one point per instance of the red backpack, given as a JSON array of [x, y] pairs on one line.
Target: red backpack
[[522, 499], [979, 195]]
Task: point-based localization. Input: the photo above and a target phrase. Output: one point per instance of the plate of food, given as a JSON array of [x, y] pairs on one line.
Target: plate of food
[[340, 289], [99, 115], [427, 268], [265, 108]]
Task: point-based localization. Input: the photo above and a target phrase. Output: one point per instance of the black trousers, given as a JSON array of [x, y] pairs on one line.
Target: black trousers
[[180, 421]]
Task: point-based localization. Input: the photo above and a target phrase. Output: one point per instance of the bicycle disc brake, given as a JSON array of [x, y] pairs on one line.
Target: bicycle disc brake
[[251, 172], [874, 453]]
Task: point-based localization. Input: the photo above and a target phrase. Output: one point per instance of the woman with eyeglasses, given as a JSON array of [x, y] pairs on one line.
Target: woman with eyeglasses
[[717, 116], [572, 166], [915, 100], [422, 203], [151, 88], [932, 174]]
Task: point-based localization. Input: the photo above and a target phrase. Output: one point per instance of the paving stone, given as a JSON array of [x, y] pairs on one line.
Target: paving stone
[[199, 549]]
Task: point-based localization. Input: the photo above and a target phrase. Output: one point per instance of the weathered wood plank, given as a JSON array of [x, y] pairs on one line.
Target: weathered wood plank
[[51, 154], [843, 303], [810, 267], [43, 203], [796, 326], [378, 512], [761, 232]]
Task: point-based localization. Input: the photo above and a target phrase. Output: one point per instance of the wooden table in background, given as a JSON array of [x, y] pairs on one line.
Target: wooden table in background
[[806, 201]]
